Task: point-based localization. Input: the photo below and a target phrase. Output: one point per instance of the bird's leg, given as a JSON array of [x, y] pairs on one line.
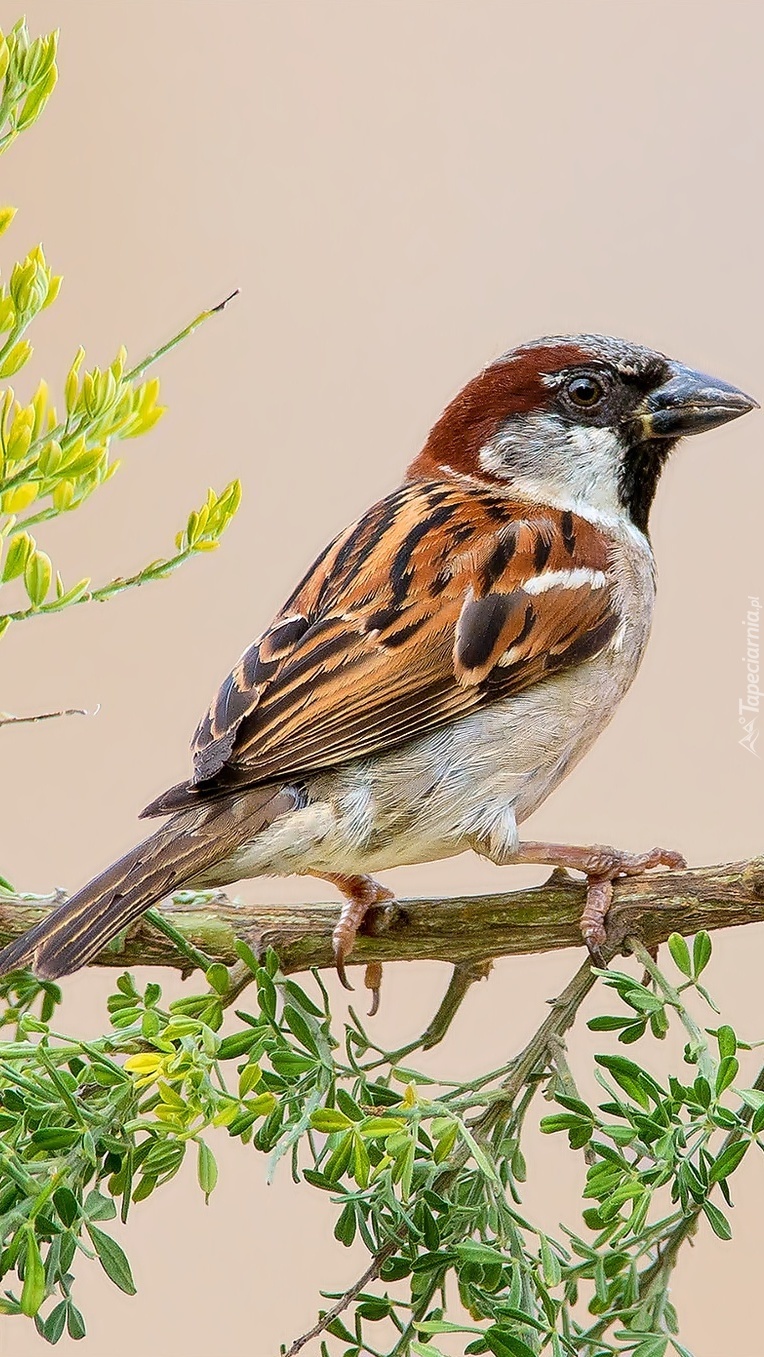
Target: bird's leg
[[361, 894], [601, 865]]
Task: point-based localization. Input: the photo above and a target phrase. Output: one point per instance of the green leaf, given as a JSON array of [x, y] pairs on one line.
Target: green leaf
[[503, 1343], [374, 1310], [361, 1165], [607, 1023], [633, 1032], [244, 953], [75, 1324], [217, 977], [53, 1326], [345, 1228], [299, 1028], [301, 999], [727, 1041], [33, 1291], [38, 574], [66, 1204], [290, 1064], [266, 991], [238, 1043], [726, 1073], [654, 1346], [473, 1251], [701, 953], [328, 1120], [206, 1170], [728, 1161], [339, 1159], [637, 1083], [99, 1207], [680, 953], [439, 1326], [718, 1222], [753, 1097], [550, 1264], [113, 1260], [702, 1091], [379, 1127], [347, 1105]]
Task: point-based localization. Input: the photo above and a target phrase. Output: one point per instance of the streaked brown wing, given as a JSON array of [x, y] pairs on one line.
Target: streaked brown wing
[[414, 616]]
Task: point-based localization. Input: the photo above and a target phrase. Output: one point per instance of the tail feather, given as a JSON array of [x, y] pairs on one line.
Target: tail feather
[[190, 844]]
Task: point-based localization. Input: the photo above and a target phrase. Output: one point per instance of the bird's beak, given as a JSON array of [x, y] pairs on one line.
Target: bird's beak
[[690, 402]]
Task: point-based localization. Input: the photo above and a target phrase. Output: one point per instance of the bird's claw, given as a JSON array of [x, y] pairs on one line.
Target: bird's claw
[[373, 981], [605, 866]]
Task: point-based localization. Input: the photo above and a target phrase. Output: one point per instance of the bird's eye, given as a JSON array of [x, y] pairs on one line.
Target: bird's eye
[[585, 391]]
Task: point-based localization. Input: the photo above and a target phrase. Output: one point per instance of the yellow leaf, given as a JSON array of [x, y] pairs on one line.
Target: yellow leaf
[[71, 386], [6, 217], [15, 358], [19, 498], [39, 405], [20, 435], [145, 1063], [62, 495], [54, 287]]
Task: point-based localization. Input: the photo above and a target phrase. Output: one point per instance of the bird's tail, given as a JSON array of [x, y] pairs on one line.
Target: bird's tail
[[184, 849]]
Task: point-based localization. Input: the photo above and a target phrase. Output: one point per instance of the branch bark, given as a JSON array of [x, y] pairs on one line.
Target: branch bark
[[462, 930]]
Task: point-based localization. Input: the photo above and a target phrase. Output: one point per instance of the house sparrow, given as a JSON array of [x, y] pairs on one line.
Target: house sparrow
[[444, 663]]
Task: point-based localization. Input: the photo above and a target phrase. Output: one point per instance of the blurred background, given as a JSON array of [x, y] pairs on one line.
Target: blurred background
[[402, 192]]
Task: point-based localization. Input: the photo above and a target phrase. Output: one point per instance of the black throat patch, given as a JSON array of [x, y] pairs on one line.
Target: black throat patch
[[639, 476]]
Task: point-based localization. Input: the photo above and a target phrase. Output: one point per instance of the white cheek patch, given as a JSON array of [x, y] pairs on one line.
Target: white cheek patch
[[596, 460], [547, 458]]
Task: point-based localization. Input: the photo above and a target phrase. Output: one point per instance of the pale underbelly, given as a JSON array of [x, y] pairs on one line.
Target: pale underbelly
[[469, 785]]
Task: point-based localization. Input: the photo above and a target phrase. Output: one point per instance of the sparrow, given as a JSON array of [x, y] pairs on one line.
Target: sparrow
[[444, 663]]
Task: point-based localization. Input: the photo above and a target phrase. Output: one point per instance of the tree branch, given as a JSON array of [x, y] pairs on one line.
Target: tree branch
[[463, 931]]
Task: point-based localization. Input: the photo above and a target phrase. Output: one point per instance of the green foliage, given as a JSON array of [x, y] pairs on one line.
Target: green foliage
[[27, 77], [427, 1175], [51, 466]]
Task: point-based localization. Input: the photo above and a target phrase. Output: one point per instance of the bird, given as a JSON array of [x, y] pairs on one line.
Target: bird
[[444, 663]]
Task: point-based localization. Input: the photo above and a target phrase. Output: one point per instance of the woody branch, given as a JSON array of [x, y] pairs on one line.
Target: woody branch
[[459, 930]]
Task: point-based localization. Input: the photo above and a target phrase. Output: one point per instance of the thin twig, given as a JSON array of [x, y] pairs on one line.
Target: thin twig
[[464, 975], [6, 719], [347, 1297]]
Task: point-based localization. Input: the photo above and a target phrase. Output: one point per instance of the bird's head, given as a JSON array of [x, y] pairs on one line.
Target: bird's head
[[577, 418]]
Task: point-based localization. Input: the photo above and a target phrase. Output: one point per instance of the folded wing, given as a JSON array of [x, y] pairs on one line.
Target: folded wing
[[439, 600]]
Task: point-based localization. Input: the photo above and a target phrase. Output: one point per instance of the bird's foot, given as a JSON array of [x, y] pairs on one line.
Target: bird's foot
[[602, 865], [361, 893]]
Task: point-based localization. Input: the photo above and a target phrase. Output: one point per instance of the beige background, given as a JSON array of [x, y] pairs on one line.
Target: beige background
[[401, 191]]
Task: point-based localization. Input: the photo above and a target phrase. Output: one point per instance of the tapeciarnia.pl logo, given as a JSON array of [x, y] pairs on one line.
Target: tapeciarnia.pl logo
[[749, 707]]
